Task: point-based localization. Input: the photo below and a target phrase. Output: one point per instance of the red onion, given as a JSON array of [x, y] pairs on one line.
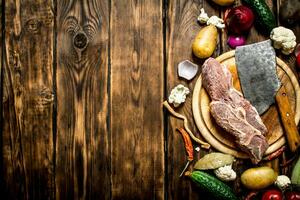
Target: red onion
[[298, 60], [235, 41], [239, 19], [297, 50]]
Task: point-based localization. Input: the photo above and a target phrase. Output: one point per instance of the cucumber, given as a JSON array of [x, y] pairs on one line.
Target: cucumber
[[263, 14], [210, 184]]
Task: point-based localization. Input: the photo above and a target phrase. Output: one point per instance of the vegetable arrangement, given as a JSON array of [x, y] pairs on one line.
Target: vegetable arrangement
[[211, 172]]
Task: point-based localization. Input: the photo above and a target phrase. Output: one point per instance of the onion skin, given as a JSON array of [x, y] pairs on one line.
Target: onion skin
[[235, 41], [297, 54], [239, 19], [297, 50]]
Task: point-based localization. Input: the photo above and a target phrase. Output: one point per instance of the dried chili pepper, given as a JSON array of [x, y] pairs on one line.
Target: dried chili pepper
[[188, 147], [187, 143], [275, 154]]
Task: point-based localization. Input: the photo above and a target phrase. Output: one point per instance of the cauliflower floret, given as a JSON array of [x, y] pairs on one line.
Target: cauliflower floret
[[225, 173], [203, 17], [283, 39], [282, 182], [214, 20], [178, 95]]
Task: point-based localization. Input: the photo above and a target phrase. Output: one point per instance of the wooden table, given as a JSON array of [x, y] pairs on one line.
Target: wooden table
[[82, 87]]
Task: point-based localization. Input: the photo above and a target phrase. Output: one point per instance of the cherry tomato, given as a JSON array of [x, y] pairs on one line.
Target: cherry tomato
[[272, 195], [293, 196]]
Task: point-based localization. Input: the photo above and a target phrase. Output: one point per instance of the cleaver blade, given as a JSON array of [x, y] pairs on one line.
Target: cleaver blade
[[256, 66]]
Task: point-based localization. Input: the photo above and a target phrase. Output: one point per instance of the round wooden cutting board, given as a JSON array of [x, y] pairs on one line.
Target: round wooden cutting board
[[224, 142]]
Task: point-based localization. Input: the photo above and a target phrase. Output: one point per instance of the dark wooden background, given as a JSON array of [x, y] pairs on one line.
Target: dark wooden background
[[82, 82]]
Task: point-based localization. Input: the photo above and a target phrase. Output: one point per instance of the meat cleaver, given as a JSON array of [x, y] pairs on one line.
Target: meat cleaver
[[256, 66]]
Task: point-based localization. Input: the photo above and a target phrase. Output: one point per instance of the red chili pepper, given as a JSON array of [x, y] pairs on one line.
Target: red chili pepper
[[276, 153], [187, 143], [188, 147]]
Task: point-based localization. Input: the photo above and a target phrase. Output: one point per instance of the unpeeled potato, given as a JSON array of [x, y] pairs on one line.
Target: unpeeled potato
[[205, 42], [258, 178], [223, 2]]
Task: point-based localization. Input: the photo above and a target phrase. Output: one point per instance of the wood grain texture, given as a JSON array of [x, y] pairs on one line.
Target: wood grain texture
[[82, 155], [83, 83], [287, 119], [27, 100], [182, 27], [137, 75]]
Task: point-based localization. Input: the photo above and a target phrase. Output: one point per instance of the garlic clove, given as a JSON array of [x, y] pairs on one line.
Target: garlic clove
[[187, 70]]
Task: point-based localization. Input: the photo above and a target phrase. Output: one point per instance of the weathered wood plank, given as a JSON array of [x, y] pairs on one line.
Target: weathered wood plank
[[136, 95], [182, 27], [27, 100], [82, 156]]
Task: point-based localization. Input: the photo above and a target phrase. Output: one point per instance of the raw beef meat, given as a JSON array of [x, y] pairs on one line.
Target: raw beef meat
[[232, 112]]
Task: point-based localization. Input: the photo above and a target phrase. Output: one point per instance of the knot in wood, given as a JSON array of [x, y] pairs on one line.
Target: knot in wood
[[43, 97], [33, 25], [80, 40]]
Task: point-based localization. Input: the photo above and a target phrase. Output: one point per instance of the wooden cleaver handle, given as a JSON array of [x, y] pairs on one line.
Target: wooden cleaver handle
[[287, 116]]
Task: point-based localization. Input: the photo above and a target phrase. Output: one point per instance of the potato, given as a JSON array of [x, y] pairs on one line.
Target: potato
[[205, 42], [223, 2], [258, 178]]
